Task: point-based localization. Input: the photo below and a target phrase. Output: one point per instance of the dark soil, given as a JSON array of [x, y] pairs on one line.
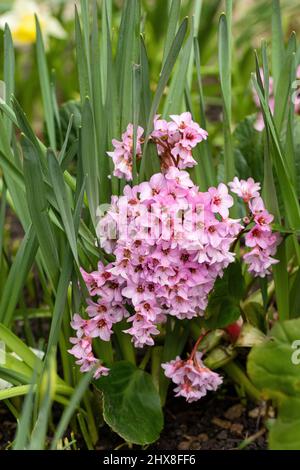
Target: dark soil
[[216, 422], [213, 423]]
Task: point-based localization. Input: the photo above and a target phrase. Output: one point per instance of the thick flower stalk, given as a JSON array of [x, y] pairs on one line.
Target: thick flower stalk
[[170, 243]]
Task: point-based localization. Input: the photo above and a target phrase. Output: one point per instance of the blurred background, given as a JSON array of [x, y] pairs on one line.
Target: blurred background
[[251, 22]]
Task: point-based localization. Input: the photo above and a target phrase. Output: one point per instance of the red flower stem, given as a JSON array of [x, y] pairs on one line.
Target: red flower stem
[[195, 348], [166, 146]]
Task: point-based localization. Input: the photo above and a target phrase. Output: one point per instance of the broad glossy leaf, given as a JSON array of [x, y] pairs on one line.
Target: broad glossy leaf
[[274, 368], [131, 404]]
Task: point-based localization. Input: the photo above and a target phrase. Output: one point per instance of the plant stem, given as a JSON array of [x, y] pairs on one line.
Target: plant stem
[[195, 348], [145, 360], [236, 373]]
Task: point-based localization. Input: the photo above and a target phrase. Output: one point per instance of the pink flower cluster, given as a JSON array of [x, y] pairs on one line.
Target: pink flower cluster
[[192, 378], [171, 246], [262, 241], [170, 243], [82, 350], [174, 140], [103, 313], [123, 150]]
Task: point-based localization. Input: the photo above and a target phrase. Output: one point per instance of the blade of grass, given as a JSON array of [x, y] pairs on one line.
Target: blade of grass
[[70, 409], [16, 345], [288, 191], [163, 80], [62, 153], [82, 65], [206, 156], [136, 98], [9, 72], [283, 90], [45, 85], [174, 15], [17, 276], [277, 42], [174, 100], [24, 425], [63, 203], [38, 206], [38, 436], [127, 54], [2, 219], [89, 158], [145, 85], [98, 111], [225, 80]]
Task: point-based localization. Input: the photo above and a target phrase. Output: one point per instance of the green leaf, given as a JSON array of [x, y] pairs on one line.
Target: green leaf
[[277, 41], [61, 298], [24, 424], [248, 142], [25, 127], [223, 306], [283, 91], [89, 158], [9, 72], [287, 190], [163, 80], [82, 64], [274, 368], [225, 80], [2, 219], [63, 202], [145, 79], [136, 103], [295, 296], [204, 159], [174, 100], [70, 409], [98, 111], [38, 206], [38, 436], [45, 85], [16, 345], [62, 153], [255, 315], [17, 276], [127, 53], [131, 404], [174, 15]]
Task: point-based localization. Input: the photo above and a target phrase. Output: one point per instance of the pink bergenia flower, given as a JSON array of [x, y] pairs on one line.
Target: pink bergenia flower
[[170, 251], [256, 205], [245, 189], [176, 139], [221, 201], [123, 150], [170, 243], [192, 378], [259, 262], [262, 241]]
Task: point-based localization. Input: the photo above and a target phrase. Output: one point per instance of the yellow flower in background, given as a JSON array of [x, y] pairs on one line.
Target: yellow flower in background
[[21, 22]]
